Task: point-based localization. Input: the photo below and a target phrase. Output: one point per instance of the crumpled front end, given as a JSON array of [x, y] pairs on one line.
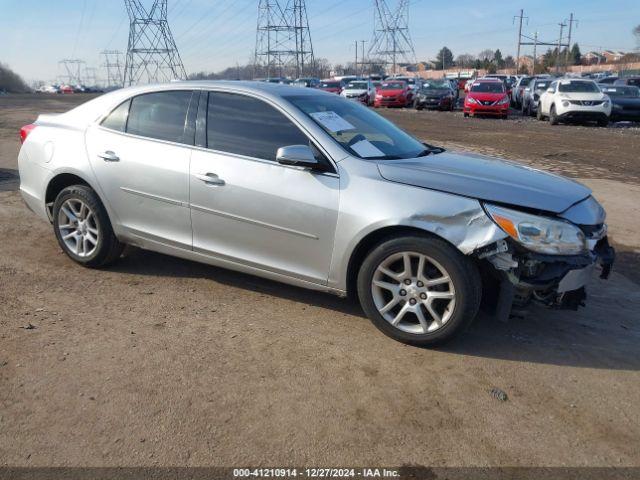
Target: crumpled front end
[[515, 275]]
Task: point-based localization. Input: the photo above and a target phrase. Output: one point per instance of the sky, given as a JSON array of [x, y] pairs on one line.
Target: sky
[[214, 34]]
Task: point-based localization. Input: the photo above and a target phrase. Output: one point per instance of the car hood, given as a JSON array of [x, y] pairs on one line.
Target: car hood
[[434, 93], [390, 93], [487, 97], [583, 96], [626, 101], [486, 178], [355, 91]]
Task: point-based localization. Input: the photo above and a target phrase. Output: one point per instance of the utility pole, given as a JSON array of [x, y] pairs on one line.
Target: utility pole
[[562, 25], [535, 52], [571, 22], [363, 63], [356, 64], [520, 18]]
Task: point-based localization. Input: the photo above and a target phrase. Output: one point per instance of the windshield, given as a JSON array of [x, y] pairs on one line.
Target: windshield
[[357, 86], [357, 129], [330, 85], [578, 87], [630, 92], [488, 87], [436, 85], [393, 86], [525, 81]]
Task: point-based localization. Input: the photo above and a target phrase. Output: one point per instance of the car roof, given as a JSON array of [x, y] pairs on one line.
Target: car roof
[[273, 89]]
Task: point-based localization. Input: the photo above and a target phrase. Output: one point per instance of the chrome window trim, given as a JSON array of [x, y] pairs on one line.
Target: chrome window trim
[[304, 130]]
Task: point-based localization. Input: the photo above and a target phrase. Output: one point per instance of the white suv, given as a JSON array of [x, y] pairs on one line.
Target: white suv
[[571, 99]]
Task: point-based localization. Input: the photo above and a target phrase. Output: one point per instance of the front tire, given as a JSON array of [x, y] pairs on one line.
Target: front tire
[[553, 117], [419, 290], [83, 229]]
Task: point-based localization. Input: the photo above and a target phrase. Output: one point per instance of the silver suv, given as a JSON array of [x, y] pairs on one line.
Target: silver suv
[[307, 188]]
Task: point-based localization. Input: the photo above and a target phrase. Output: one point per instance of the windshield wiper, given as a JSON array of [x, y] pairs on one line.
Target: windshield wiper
[[430, 150]]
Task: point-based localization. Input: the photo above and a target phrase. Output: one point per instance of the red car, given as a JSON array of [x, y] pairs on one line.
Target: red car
[[393, 93], [487, 97], [331, 86]]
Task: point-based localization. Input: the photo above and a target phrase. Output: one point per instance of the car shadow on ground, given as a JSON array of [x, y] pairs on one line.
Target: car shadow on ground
[[576, 339]]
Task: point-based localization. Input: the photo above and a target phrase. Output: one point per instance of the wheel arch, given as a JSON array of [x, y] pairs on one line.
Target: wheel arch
[[375, 238], [58, 182]]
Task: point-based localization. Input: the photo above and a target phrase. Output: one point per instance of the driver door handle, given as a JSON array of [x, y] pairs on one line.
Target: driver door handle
[[210, 179], [109, 156]]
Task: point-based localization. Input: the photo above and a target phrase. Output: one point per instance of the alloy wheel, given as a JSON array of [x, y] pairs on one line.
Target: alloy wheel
[[78, 227], [413, 292]]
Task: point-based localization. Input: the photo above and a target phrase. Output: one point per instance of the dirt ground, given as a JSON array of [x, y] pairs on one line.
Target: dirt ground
[[159, 361]]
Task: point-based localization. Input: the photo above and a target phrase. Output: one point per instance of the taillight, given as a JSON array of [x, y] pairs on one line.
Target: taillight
[[25, 131]]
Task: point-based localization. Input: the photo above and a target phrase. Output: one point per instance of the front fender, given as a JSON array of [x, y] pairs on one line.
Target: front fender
[[368, 204]]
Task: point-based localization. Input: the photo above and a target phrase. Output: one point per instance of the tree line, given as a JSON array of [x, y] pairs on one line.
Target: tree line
[[11, 82]]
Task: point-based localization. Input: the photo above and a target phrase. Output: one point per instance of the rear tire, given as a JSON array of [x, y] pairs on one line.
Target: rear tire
[[83, 229], [603, 123], [438, 288]]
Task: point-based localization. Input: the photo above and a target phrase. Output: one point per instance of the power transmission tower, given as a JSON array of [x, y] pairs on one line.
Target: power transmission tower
[[152, 54], [283, 38], [90, 76], [113, 65], [73, 70], [392, 42]]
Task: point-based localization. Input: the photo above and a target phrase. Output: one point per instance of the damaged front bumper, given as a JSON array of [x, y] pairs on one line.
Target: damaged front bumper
[[557, 281]]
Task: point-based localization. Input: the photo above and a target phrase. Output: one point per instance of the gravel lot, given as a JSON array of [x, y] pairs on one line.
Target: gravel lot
[[159, 361]]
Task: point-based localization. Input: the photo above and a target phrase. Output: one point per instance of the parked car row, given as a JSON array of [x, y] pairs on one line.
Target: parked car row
[[581, 99], [66, 89]]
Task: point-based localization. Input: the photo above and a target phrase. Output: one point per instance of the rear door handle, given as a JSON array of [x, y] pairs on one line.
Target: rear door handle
[[109, 156], [210, 179]]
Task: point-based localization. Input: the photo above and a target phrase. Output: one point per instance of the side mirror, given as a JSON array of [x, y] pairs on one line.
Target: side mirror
[[550, 90], [297, 155]]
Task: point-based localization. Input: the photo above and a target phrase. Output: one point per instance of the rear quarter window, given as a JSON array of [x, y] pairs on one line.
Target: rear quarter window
[[117, 119]]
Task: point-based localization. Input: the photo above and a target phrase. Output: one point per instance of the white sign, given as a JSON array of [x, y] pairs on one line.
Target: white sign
[[366, 149], [332, 121]]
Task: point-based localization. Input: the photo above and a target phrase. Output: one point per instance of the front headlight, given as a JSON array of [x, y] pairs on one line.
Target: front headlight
[[606, 104], [504, 101], [539, 234], [566, 104], [471, 100]]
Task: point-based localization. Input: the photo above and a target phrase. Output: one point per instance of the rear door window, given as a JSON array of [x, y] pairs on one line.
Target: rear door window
[[247, 126], [160, 115]]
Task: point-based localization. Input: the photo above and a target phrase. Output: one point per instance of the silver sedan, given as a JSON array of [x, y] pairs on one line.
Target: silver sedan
[[307, 188]]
